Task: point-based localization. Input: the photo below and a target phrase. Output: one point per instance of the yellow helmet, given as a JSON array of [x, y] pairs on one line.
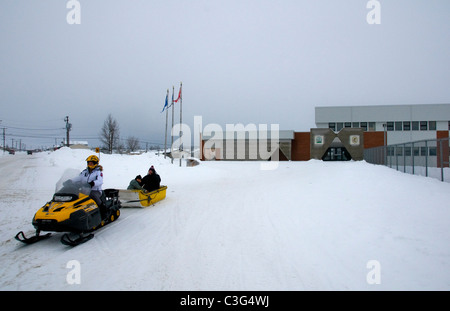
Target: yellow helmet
[[94, 159]]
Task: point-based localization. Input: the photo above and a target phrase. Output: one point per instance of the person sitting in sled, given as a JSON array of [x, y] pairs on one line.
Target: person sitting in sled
[[136, 184], [93, 175], [152, 180]]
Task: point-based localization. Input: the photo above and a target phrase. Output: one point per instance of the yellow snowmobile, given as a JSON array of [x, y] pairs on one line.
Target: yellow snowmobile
[[71, 210]]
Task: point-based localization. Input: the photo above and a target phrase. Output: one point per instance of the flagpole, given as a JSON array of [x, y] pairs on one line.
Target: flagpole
[[181, 116], [165, 140], [171, 134]]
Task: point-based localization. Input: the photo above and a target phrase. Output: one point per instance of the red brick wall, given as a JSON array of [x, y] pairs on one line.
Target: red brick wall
[[300, 149], [373, 139], [445, 149], [441, 134]]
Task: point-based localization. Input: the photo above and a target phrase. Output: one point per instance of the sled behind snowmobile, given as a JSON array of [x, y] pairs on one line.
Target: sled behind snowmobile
[[71, 210], [139, 198]]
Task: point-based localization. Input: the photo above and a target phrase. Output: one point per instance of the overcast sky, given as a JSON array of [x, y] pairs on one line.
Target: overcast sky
[[243, 61]]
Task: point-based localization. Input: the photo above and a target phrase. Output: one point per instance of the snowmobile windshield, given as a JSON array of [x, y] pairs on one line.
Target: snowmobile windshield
[[68, 190]]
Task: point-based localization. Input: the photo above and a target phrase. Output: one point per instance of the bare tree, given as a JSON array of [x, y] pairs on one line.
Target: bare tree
[[132, 143], [109, 135]]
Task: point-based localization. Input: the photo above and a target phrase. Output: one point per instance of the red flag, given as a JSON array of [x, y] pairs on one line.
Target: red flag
[[179, 96]]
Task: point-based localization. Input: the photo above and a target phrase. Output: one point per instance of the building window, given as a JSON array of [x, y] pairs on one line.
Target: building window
[[432, 125], [407, 126], [408, 151], [390, 126], [415, 125], [423, 151], [423, 125], [390, 151], [399, 151], [348, 124], [332, 126], [433, 151], [355, 124], [364, 126], [339, 126], [398, 126], [371, 126]]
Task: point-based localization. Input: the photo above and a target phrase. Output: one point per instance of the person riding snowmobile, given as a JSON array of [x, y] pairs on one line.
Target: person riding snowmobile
[[93, 175]]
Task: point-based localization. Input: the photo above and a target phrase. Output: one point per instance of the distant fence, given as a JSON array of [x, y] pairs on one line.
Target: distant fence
[[425, 157]]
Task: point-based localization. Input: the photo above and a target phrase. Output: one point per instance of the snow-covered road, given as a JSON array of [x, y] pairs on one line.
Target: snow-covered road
[[231, 226]]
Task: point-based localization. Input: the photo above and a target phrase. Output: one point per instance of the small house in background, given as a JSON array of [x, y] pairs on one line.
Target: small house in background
[[79, 145]]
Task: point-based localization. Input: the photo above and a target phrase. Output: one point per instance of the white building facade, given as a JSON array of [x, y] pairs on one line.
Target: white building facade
[[401, 123]]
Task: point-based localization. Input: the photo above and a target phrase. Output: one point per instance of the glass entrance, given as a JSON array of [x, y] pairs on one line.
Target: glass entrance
[[336, 154]]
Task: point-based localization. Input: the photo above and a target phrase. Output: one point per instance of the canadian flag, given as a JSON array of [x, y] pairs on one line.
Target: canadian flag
[[179, 95]]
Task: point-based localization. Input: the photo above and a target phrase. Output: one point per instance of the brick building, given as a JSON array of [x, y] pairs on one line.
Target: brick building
[[342, 133]]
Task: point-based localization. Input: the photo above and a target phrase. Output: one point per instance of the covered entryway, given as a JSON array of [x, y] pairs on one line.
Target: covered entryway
[[346, 145], [336, 154]]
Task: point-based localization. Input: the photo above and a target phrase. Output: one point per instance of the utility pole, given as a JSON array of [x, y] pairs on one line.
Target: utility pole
[[4, 146], [181, 118], [68, 128]]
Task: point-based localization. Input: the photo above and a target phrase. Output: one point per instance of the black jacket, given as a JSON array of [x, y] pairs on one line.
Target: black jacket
[[151, 182]]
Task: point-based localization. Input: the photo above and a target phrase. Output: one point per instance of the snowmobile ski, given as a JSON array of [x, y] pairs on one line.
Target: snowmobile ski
[[79, 239], [36, 238]]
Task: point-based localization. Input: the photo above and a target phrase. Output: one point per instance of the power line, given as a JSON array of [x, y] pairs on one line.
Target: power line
[[37, 135], [34, 129], [33, 136]]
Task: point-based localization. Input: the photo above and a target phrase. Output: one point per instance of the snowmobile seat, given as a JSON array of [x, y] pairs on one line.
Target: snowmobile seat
[[110, 202], [110, 197]]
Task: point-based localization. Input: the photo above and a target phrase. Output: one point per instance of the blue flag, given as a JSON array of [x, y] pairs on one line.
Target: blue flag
[[167, 102]]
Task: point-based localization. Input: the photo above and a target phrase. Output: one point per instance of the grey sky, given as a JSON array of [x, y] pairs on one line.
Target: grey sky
[[244, 61]]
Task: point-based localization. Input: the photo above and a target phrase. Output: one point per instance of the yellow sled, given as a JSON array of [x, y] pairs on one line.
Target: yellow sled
[[138, 198]]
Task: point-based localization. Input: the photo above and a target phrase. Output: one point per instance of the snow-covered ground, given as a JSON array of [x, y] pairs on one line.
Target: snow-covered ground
[[232, 226]]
